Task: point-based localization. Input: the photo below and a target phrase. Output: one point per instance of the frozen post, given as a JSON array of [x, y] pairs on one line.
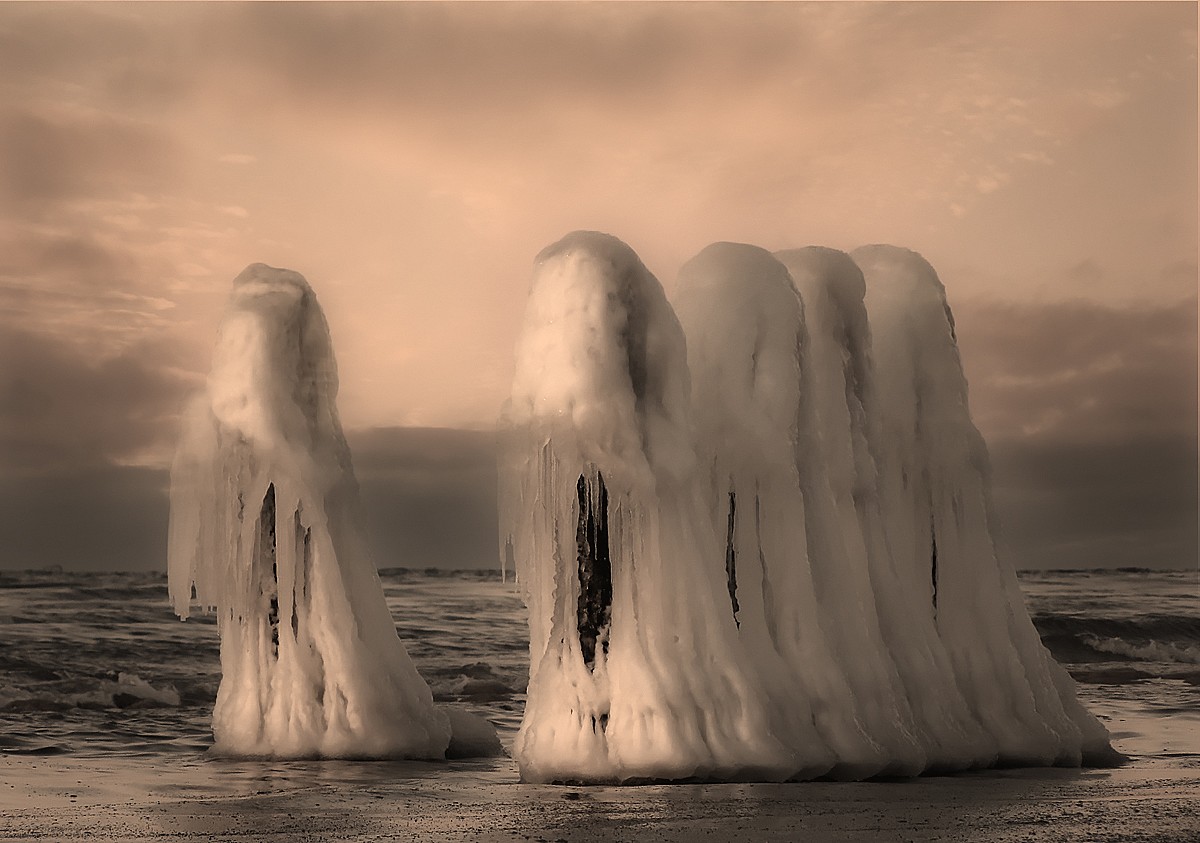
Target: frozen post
[[935, 498], [636, 669], [806, 606], [266, 528], [841, 389]]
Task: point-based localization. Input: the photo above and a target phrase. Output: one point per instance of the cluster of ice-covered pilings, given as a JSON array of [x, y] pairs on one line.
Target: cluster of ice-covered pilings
[[935, 493], [636, 667], [789, 575], [265, 530]]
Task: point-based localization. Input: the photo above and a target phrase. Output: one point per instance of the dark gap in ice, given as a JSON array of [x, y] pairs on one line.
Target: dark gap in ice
[[731, 557], [266, 546], [306, 566], [756, 351], [950, 322], [599, 724], [299, 583], [768, 594], [933, 559], [595, 569]]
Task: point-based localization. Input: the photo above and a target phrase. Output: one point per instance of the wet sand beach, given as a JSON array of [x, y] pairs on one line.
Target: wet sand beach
[[119, 799]]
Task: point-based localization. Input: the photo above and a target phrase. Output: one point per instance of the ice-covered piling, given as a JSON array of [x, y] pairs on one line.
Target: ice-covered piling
[[935, 498], [806, 597], [840, 369], [266, 530], [601, 507]]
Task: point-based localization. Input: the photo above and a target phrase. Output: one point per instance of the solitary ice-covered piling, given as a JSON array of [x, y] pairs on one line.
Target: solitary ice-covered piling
[[636, 668], [266, 530]]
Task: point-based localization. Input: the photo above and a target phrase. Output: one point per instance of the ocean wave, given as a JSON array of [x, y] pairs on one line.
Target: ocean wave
[[126, 690], [1109, 674], [1124, 649], [401, 574], [1152, 651], [477, 682], [1180, 629]]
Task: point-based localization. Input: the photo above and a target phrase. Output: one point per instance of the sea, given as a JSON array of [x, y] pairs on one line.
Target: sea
[[96, 664]]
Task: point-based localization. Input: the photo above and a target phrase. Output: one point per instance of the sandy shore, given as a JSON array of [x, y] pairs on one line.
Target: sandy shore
[[138, 799]]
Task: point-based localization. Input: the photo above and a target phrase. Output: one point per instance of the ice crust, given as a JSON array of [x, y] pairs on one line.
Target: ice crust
[[266, 531], [765, 553]]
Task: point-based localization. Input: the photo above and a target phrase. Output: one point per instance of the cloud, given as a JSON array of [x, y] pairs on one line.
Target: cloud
[[429, 494], [76, 258], [39, 43], [429, 452], [97, 517], [60, 409], [1090, 413], [85, 286], [1090, 505], [1078, 371], [499, 59], [54, 155]]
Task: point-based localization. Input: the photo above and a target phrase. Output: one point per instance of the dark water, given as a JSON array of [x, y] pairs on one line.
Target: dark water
[[96, 664]]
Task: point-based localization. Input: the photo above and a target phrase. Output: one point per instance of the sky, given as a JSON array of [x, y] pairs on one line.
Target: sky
[[411, 159]]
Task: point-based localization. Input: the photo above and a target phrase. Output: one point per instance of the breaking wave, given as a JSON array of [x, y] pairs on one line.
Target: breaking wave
[[1153, 651], [124, 690]]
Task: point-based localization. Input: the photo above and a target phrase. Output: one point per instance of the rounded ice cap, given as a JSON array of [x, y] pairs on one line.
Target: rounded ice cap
[[258, 279], [584, 337], [742, 279], [745, 329], [601, 351], [822, 270], [907, 269], [833, 290], [273, 368], [893, 273]]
